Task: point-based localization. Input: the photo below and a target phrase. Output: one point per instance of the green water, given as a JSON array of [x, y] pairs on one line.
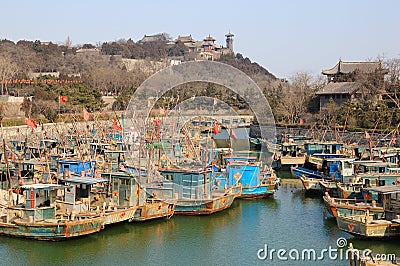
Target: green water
[[232, 237]]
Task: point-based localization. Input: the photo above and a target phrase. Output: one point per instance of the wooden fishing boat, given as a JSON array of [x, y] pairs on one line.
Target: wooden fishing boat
[[350, 191], [334, 170], [154, 209], [95, 196], [370, 225], [290, 154], [246, 171], [192, 191], [39, 217], [134, 194], [351, 206]]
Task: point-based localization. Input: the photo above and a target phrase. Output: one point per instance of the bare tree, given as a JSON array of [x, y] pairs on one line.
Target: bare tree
[[393, 75], [8, 69]]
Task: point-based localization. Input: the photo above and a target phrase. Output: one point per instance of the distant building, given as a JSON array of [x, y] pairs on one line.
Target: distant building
[[339, 92], [206, 49], [229, 41], [186, 40], [154, 38], [347, 81], [345, 70]]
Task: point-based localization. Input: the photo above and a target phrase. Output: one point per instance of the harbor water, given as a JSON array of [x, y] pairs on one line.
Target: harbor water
[[236, 236]]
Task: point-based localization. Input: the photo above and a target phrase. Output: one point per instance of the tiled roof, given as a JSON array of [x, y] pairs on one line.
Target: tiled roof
[[348, 67], [340, 88], [184, 39]]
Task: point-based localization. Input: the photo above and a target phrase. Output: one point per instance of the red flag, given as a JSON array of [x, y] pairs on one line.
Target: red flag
[[301, 121], [156, 122], [30, 122], [232, 134], [63, 99], [85, 114], [215, 129], [116, 126]]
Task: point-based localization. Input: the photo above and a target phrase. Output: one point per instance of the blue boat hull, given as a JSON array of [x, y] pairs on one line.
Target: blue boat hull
[[297, 172]]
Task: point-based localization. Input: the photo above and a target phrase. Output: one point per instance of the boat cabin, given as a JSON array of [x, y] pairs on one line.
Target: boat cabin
[[113, 159], [76, 167], [34, 170], [244, 170], [377, 173], [291, 149], [78, 193], [182, 184], [338, 168], [323, 147], [125, 189], [40, 202], [390, 198], [18, 145]]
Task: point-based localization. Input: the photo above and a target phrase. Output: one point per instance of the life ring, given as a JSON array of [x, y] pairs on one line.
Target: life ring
[[115, 193], [89, 171], [100, 160]]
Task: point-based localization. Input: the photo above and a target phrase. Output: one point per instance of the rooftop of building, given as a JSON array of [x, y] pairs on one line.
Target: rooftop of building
[[349, 67]]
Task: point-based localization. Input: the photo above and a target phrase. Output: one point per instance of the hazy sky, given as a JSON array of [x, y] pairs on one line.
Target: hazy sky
[[283, 36]]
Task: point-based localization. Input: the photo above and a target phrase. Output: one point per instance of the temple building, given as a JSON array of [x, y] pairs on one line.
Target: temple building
[[349, 81], [206, 49]]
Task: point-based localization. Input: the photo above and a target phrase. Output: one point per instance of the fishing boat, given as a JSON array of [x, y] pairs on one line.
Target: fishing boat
[[192, 191], [369, 174], [256, 182], [370, 225], [316, 152], [154, 209], [350, 191], [290, 154], [111, 198], [39, 216], [132, 192], [351, 206], [334, 170]]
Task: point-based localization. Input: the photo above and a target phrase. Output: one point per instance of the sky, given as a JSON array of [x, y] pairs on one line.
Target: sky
[[283, 36]]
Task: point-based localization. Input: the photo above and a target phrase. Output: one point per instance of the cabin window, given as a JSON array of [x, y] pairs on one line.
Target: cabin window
[[123, 182], [381, 169], [169, 177], [393, 196], [347, 165]]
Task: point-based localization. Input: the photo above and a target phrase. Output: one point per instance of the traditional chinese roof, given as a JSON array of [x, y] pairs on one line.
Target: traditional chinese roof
[[154, 38], [184, 39], [349, 67], [209, 39], [340, 88], [229, 35]]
